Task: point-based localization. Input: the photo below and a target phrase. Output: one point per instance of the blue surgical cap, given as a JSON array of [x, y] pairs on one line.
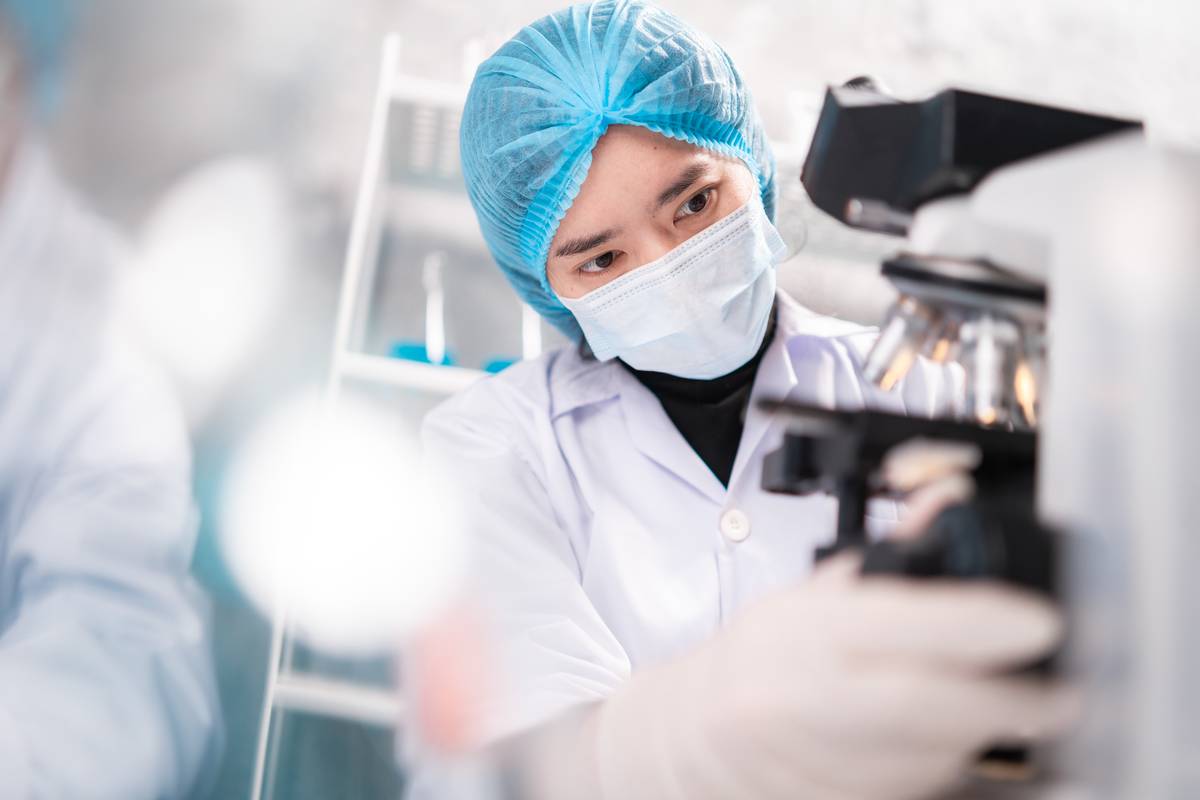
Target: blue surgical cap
[[539, 105]]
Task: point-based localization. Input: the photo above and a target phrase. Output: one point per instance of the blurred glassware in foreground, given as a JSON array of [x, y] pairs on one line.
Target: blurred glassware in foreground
[[327, 513], [209, 272]]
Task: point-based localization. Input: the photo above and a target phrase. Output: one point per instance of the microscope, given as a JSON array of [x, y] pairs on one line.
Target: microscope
[[965, 296], [1055, 256]]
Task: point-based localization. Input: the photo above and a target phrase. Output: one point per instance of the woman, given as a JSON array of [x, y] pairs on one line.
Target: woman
[[663, 631]]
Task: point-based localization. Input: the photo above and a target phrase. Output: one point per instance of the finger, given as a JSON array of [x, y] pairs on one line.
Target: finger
[[923, 506], [920, 461], [937, 708], [894, 772], [838, 572], [843, 769], [972, 625], [885, 705]]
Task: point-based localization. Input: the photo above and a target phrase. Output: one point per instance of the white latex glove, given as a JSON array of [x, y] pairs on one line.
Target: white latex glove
[[934, 474], [846, 687]]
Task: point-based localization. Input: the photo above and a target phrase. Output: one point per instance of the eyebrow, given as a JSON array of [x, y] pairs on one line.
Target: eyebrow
[[686, 178], [581, 244]]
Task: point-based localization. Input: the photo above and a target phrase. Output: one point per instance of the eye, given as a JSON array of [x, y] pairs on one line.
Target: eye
[[599, 263], [696, 204]]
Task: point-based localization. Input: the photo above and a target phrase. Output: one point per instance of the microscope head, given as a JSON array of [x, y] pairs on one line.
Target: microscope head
[[967, 292]]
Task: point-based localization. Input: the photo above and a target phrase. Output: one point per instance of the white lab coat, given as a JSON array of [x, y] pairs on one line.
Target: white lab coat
[[106, 687], [603, 542]]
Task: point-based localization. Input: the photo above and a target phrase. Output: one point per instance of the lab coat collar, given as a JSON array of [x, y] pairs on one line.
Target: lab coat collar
[[792, 365], [655, 435], [796, 356], [579, 379], [808, 356]]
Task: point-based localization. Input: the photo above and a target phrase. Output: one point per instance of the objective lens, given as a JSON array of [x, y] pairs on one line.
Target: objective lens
[[988, 355], [1025, 392], [905, 330], [942, 345], [1027, 378]]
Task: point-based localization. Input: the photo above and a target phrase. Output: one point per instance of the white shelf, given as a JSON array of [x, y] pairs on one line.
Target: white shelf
[[339, 699], [412, 89], [407, 374]]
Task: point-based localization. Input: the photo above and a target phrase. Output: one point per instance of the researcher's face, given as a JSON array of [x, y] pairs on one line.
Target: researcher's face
[[644, 195]]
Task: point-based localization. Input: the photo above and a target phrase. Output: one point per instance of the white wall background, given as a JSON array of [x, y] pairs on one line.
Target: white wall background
[[165, 83], [158, 88]]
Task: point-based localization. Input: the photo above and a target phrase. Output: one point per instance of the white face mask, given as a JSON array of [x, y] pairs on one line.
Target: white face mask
[[700, 311]]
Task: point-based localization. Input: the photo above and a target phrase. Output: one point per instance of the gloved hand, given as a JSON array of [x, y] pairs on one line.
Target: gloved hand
[[847, 687], [934, 475]]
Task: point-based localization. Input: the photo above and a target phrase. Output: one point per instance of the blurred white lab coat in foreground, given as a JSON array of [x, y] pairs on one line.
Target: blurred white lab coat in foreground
[[106, 686], [603, 542]]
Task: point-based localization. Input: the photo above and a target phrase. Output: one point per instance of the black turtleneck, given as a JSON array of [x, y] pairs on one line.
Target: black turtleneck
[[709, 413]]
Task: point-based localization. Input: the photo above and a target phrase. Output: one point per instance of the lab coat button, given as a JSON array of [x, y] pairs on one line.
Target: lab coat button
[[735, 525]]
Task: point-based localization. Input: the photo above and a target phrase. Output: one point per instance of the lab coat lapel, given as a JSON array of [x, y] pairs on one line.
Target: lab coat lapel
[[775, 380], [653, 433], [799, 364]]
